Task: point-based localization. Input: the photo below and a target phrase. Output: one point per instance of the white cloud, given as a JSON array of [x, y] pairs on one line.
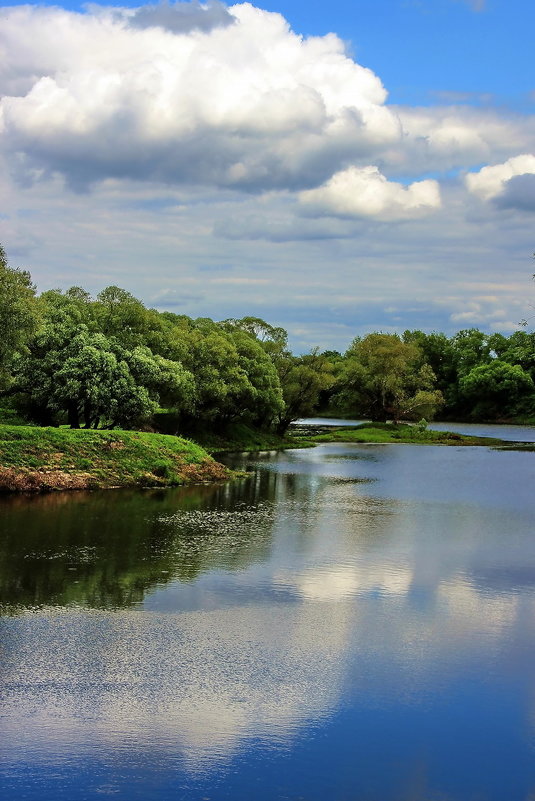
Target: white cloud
[[250, 104], [190, 94], [492, 181], [195, 132], [365, 192], [446, 137], [485, 312]]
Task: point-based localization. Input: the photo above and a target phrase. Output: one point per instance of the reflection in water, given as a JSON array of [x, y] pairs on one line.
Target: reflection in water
[[323, 630], [106, 550]]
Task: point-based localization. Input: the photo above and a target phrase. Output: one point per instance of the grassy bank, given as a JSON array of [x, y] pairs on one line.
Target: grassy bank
[[41, 459], [399, 432]]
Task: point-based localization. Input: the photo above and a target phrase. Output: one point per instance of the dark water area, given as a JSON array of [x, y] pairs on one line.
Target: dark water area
[[350, 622]]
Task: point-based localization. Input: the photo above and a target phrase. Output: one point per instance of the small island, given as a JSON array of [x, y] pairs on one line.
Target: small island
[[391, 433]]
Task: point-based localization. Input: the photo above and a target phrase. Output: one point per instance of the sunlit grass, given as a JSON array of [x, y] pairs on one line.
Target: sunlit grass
[[58, 458]]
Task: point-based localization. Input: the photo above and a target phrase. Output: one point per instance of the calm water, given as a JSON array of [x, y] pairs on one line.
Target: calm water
[[350, 623]]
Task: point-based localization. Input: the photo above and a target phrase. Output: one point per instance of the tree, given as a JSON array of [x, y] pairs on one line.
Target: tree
[[119, 314], [72, 371], [519, 349], [471, 348], [263, 403], [498, 389], [384, 378], [18, 315], [302, 379]]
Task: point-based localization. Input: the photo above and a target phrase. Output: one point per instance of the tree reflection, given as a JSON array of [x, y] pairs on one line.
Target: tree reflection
[[108, 549]]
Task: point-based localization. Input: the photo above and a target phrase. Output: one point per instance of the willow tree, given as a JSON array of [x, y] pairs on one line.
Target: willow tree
[[385, 378]]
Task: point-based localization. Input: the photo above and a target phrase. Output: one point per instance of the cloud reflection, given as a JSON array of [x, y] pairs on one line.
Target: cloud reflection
[[384, 605]]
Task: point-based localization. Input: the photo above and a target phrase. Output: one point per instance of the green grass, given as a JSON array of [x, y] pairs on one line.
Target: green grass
[[33, 458], [399, 432]]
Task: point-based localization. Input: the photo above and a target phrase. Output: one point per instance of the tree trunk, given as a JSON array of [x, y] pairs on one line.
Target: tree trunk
[[87, 414], [73, 416]]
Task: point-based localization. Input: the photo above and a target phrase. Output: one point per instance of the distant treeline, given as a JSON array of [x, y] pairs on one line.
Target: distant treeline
[[111, 362]]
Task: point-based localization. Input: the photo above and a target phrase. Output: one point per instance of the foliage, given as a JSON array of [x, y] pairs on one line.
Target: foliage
[[384, 378], [302, 378], [18, 315], [106, 362], [264, 401], [71, 372], [497, 388]]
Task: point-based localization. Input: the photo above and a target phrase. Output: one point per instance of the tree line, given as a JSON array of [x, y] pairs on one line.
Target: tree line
[[110, 361]]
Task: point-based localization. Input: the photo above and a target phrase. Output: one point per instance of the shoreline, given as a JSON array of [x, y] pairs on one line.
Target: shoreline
[[34, 459], [398, 433]]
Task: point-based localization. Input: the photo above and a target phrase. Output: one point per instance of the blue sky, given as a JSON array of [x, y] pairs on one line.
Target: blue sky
[[481, 48], [464, 50], [215, 160]]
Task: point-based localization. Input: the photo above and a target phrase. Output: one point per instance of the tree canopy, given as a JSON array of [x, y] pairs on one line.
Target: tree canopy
[[384, 378], [111, 361]]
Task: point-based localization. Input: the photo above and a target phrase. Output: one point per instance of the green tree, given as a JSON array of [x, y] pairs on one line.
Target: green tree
[[80, 378], [263, 402], [498, 389], [302, 379], [273, 339], [471, 348], [18, 315], [122, 316], [71, 370], [519, 348], [384, 378]]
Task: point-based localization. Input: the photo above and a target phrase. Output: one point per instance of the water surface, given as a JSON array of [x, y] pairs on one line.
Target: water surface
[[350, 622]]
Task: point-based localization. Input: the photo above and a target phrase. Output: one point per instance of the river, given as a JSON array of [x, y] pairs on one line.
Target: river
[[348, 623]]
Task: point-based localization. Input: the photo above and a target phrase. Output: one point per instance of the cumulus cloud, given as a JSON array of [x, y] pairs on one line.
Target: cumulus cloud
[[182, 17], [518, 193], [484, 311], [204, 94], [365, 192], [249, 105], [445, 137], [493, 181]]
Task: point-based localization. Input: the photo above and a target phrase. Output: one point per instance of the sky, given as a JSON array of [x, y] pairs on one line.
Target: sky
[[335, 168]]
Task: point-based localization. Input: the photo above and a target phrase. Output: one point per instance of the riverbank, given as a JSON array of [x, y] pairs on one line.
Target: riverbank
[[387, 433], [34, 459]]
